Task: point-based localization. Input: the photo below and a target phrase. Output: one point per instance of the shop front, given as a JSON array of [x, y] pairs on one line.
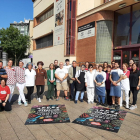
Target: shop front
[[127, 34]]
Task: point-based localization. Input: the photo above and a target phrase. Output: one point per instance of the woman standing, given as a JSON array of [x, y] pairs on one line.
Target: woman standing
[[4, 96], [108, 83], [125, 85], [134, 84], [51, 81], [100, 78], [20, 78], [41, 77], [105, 64], [29, 81], [80, 85], [11, 81]]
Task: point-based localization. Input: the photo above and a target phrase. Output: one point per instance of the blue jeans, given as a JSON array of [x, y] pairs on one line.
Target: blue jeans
[[101, 98], [77, 95], [72, 87]]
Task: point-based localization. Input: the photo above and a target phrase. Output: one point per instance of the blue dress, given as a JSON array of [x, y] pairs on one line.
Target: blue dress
[[100, 90], [115, 90]]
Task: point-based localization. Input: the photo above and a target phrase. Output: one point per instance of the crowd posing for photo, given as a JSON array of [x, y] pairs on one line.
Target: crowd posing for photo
[[105, 85]]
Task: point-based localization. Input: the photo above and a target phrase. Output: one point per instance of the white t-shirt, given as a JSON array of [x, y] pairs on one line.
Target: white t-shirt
[[61, 73], [30, 77], [67, 67], [119, 71]]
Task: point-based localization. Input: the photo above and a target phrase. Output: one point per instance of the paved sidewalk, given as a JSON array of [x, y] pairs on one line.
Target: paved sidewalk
[[12, 124]]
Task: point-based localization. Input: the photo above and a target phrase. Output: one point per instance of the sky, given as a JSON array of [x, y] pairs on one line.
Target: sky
[[15, 10]]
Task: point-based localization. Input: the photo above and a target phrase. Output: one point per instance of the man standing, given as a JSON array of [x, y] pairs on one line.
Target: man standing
[[20, 79], [61, 82], [115, 89], [72, 73], [56, 64], [11, 81], [3, 73], [67, 66], [55, 67]]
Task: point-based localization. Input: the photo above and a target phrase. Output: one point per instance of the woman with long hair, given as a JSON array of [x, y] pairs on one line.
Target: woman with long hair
[[134, 84], [105, 64]]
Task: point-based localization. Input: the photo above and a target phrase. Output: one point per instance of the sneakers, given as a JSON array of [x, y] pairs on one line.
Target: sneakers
[[91, 102], [133, 107], [112, 106], [81, 100], [88, 102], [75, 101], [117, 107], [57, 99], [39, 100], [51, 98], [19, 103], [98, 104], [66, 98], [25, 104]]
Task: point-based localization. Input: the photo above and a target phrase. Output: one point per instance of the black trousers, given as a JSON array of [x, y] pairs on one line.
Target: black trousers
[[55, 91], [109, 98], [135, 93], [30, 90], [73, 90], [38, 90], [7, 107]]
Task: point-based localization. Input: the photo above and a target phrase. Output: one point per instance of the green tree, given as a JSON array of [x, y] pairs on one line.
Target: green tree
[[14, 43]]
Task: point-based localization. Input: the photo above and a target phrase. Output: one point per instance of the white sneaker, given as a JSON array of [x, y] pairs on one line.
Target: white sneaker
[[25, 104], [133, 107], [127, 106], [19, 103], [39, 100]]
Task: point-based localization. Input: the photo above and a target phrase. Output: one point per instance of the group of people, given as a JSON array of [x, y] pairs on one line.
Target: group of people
[[105, 84]]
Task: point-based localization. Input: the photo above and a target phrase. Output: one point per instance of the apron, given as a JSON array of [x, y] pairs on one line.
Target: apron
[[125, 85], [81, 78], [115, 90], [100, 90]]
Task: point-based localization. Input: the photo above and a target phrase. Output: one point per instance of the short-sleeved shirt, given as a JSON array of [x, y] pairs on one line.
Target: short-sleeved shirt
[[20, 75], [30, 77], [118, 71], [4, 91], [11, 76], [134, 78], [41, 75], [2, 72], [61, 73]]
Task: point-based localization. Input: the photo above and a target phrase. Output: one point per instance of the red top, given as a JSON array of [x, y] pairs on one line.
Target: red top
[[86, 68], [4, 91], [127, 73]]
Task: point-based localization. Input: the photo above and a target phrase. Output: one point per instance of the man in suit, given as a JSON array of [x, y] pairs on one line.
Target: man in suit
[[72, 72]]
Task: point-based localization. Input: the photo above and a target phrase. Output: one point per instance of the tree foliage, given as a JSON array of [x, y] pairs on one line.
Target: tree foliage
[[14, 43]]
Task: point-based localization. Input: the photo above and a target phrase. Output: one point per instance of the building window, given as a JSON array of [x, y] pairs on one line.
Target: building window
[[127, 26], [122, 27], [71, 26], [45, 15], [136, 24], [44, 41]]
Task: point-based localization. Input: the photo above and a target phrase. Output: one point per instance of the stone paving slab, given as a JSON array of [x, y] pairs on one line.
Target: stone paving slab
[[12, 124]]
